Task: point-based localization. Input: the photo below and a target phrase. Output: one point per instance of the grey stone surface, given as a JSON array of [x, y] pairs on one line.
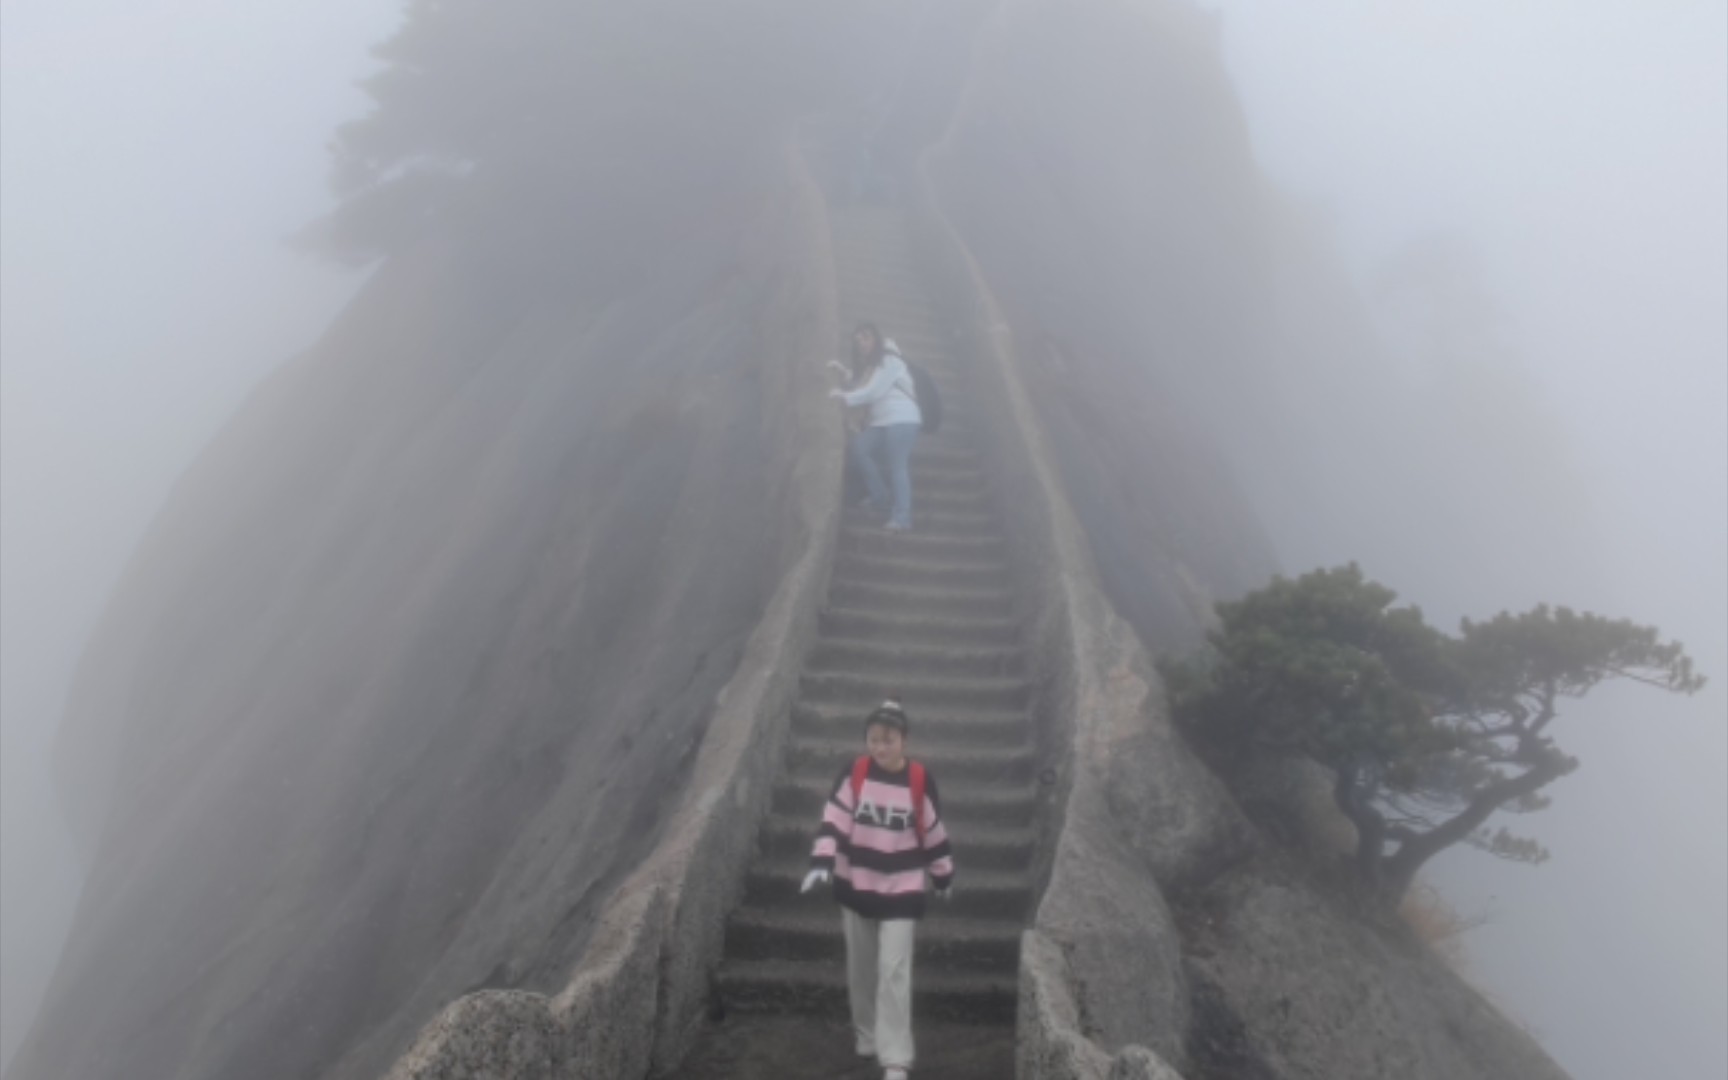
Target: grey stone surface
[[1139, 1063], [607, 1012], [768, 1047], [636, 1000], [1302, 989], [1051, 1044], [487, 1036], [1122, 952]]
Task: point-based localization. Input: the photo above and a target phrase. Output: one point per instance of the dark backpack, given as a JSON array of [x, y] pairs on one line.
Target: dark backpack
[[929, 400]]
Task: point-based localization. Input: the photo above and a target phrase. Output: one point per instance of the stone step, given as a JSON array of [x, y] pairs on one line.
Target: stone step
[[967, 501], [921, 570], [940, 521], [927, 478], [933, 515], [944, 455], [950, 944], [955, 434], [912, 602], [916, 693], [849, 578], [984, 894], [976, 847], [933, 479], [910, 658], [926, 616], [894, 313], [793, 986], [861, 625], [962, 807], [991, 765], [933, 457], [918, 339], [911, 322], [856, 536], [946, 520], [967, 727]]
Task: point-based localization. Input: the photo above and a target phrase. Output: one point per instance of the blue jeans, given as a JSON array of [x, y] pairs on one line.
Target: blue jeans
[[893, 444]]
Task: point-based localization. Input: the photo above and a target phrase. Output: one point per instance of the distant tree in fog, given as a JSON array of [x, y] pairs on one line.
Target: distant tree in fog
[[1428, 735]]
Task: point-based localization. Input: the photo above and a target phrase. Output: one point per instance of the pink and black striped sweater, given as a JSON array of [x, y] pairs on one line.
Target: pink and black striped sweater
[[873, 850]]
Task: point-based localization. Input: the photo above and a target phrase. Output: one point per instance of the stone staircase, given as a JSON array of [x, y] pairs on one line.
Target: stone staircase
[[929, 616]]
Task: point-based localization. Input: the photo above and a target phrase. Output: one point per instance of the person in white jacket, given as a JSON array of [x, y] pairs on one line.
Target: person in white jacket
[[882, 382]]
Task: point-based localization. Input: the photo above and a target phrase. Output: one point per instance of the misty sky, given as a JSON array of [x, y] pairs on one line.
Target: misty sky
[[156, 152], [155, 155], [1580, 150]]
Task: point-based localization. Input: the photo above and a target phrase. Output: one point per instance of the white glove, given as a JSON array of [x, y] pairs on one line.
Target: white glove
[[813, 879]]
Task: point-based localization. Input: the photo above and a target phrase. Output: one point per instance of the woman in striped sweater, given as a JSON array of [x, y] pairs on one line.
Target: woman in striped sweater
[[881, 836]]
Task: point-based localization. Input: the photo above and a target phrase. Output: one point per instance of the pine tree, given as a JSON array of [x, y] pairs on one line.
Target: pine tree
[[1428, 735]]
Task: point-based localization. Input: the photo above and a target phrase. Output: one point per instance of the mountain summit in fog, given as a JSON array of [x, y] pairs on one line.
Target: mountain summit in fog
[[457, 714]]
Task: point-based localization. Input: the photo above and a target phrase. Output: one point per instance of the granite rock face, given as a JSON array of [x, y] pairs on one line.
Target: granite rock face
[[1297, 988], [490, 1034], [413, 664]]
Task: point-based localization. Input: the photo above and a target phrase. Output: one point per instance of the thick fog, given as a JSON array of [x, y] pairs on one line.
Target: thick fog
[[156, 156], [1558, 172], [1571, 162]]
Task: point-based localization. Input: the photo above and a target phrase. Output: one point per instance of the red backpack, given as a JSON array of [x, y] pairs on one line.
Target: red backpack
[[861, 770]]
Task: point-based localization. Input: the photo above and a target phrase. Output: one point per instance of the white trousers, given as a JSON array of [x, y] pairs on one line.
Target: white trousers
[[879, 986]]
